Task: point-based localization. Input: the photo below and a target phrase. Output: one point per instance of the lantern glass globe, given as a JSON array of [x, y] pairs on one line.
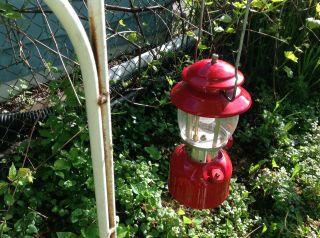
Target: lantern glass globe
[[206, 132]]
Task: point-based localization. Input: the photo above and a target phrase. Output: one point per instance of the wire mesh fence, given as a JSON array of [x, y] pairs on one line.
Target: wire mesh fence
[[36, 51]]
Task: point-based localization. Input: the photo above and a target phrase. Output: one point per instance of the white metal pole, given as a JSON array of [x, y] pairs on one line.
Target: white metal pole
[[76, 32], [98, 36]]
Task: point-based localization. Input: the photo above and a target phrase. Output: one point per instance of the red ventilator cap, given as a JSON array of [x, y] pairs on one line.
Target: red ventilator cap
[[201, 91]]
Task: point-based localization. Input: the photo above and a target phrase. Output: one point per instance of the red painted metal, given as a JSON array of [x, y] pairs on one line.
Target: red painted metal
[[205, 75], [229, 143], [209, 105], [199, 185], [200, 92]]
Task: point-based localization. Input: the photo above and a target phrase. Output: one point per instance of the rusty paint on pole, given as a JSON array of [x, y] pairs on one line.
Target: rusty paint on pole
[[99, 47], [78, 36]]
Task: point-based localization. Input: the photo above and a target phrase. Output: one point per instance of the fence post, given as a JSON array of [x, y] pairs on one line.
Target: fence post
[[96, 109]]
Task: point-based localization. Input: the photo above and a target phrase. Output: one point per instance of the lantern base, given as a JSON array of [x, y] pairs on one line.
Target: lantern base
[[199, 185]]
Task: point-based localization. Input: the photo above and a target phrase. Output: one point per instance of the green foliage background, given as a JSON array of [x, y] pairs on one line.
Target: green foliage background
[[47, 186]]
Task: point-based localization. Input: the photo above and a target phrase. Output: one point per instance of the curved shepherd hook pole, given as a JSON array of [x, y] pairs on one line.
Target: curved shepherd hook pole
[[97, 101], [99, 46]]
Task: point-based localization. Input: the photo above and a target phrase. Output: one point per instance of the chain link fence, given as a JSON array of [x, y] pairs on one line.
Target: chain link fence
[[36, 52]]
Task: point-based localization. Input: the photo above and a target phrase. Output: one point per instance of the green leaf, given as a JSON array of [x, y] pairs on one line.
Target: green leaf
[[278, 103], [66, 235], [296, 170], [23, 84], [274, 164], [253, 168], [3, 187], [32, 229], [4, 235], [13, 15], [61, 164], [230, 30], [238, 5], [9, 215], [312, 23], [153, 152], [155, 69], [25, 175], [134, 189], [181, 212], [259, 4], [133, 36], [90, 232], [121, 22], [191, 34], [122, 231], [218, 29], [198, 221], [288, 126], [264, 229], [67, 184], [4, 228], [201, 46], [22, 172], [8, 11], [75, 215], [274, 226], [291, 56], [229, 223], [186, 220], [45, 133], [12, 172], [225, 18], [59, 174], [8, 199], [288, 71], [170, 80]]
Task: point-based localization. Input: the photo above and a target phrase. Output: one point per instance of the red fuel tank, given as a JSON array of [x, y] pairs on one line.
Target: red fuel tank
[[199, 185]]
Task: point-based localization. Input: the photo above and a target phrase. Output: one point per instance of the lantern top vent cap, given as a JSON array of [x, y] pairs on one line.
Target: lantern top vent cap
[[212, 74], [214, 58]]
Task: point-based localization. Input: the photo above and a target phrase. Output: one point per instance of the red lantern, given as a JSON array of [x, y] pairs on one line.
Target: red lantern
[[200, 169]]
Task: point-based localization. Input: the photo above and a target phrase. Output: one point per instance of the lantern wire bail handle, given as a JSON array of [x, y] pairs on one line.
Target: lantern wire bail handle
[[244, 26]]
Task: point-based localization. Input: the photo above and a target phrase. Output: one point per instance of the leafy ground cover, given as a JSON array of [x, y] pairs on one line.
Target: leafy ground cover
[[47, 187]]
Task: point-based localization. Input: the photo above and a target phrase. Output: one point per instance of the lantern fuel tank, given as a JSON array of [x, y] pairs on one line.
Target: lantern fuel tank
[[199, 185]]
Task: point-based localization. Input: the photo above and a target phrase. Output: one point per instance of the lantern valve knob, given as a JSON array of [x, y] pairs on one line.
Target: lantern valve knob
[[215, 175]]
